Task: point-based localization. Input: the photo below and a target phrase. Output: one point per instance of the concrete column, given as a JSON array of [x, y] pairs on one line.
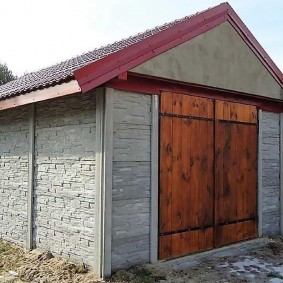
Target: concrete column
[[99, 181], [30, 177], [281, 173], [154, 179], [259, 169], [107, 188]]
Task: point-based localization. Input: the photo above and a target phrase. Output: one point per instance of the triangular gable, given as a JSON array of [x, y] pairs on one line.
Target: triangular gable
[[128, 58], [218, 58]]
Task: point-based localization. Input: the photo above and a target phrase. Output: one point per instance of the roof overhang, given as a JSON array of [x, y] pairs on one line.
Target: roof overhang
[[99, 72], [41, 94]]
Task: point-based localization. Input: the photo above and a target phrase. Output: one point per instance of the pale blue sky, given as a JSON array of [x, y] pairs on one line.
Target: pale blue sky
[[41, 33]]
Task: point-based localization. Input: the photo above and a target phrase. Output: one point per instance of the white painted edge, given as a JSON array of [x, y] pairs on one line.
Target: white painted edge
[[99, 181], [41, 94], [259, 170], [154, 179], [30, 178], [281, 173], [108, 172]]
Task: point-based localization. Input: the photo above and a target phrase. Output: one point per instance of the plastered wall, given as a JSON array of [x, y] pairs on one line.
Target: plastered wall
[[217, 58]]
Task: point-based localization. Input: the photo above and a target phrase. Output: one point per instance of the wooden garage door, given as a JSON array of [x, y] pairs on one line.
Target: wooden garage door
[[236, 172], [192, 212]]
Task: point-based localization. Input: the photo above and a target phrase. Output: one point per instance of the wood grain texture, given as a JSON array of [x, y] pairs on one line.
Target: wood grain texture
[[208, 174], [232, 111]]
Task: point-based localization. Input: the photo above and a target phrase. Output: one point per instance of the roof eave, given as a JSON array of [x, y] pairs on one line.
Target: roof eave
[[58, 90]]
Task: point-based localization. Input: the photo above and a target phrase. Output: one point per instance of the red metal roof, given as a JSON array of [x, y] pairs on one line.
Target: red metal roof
[[102, 64]]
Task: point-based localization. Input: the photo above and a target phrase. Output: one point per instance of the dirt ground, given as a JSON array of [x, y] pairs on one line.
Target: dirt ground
[[261, 264]]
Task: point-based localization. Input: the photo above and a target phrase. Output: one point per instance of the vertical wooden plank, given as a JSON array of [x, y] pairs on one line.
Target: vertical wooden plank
[[251, 172], [186, 173], [193, 212], [205, 183], [166, 150], [195, 101], [246, 173], [240, 177], [177, 100], [176, 245], [186, 107], [210, 108], [226, 212], [219, 105], [240, 109], [232, 172], [205, 239], [203, 104], [247, 113], [233, 112], [166, 102], [219, 172], [176, 191], [165, 247], [253, 114], [226, 110]]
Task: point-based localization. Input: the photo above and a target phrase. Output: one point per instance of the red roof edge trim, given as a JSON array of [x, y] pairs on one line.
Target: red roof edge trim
[[105, 69], [255, 46], [119, 62]]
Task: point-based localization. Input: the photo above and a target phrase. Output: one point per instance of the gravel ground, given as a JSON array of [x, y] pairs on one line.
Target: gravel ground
[[259, 263]]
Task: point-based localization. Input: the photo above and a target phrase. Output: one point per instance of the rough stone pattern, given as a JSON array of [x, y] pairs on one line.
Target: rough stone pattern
[[131, 179], [271, 173], [65, 177], [14, 129]]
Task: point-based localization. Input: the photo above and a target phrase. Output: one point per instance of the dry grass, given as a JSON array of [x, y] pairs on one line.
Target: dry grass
[[37, 266]]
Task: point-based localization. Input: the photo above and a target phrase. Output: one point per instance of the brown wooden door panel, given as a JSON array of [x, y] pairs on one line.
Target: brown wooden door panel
[[186, 196], [187, 105], [236, 172], [235, 232], [237, 112], [184, 243], [165, 182], [208, 174]]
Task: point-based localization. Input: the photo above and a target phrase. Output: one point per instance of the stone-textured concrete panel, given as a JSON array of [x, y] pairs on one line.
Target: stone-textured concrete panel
[[131, 179], [270, 173], [14, 146], [217, 58], [65, 177]]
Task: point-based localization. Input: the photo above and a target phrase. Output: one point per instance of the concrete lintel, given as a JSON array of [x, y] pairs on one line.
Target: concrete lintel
[[30, 177], [154, 179], [259, 186], [281, 173]]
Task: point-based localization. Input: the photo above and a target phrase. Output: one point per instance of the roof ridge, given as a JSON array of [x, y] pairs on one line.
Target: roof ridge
[[68, 69]]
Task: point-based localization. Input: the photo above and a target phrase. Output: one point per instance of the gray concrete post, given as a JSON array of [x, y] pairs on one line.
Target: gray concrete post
[[154, 179], [107, 188], [30, 177], [259, 186], [99, 180]]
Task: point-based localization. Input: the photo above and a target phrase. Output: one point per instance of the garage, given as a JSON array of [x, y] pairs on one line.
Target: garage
[[208, 173], [160, 145]]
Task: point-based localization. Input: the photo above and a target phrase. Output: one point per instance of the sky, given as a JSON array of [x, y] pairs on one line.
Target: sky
[[39, 33]]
